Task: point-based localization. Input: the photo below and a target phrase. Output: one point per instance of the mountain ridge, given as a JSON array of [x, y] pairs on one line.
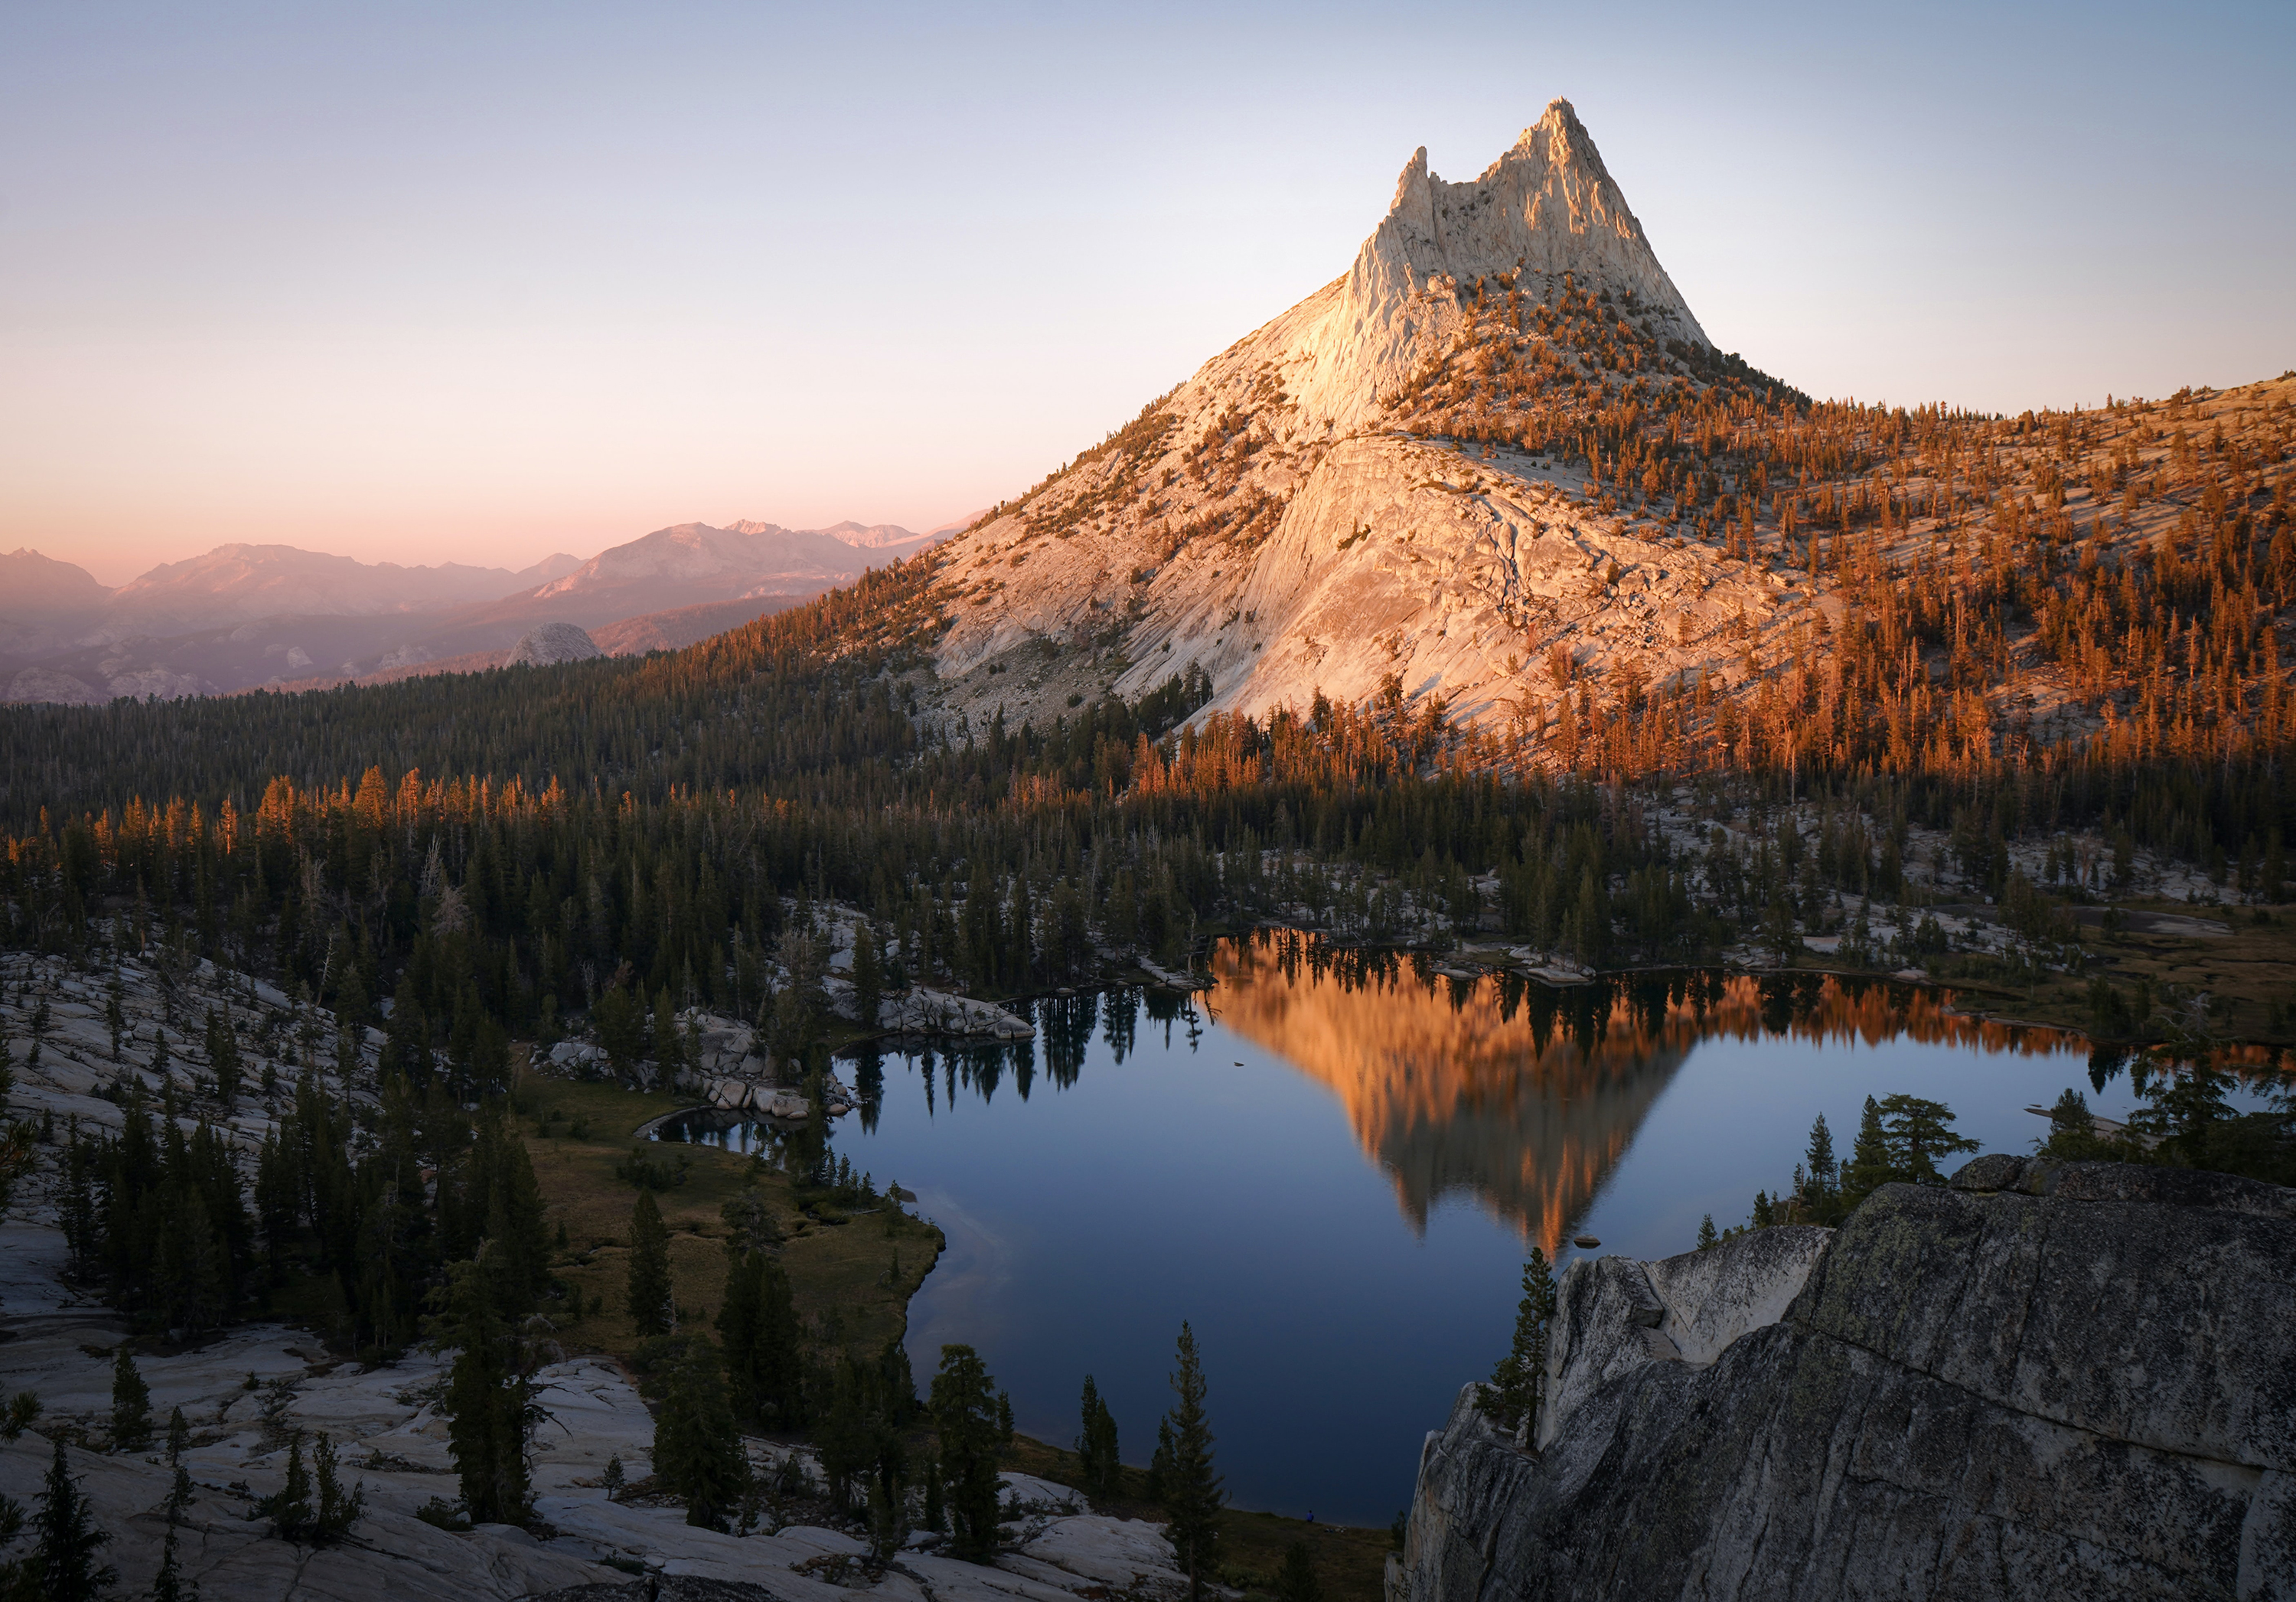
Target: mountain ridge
[[245, 614]]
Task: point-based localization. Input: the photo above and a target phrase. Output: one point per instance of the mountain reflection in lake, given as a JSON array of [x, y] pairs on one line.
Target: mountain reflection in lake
[[1526, 1095], [1330, 1160]]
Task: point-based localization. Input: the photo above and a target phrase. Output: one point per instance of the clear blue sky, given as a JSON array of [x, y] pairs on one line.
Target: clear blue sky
[[478, 283]]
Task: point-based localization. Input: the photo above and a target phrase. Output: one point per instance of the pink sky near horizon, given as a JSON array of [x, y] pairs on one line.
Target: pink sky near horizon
[[430, 284]]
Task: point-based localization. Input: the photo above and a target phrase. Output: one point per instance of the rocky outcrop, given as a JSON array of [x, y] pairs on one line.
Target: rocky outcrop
[[2048, 1380], [546, 644], [922, 1011], [51, 685]]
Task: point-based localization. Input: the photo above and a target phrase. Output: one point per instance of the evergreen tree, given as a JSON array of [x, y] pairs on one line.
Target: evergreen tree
[[1821, 1191], [668, 1051], [1159, 1461], [650, 1310], [935, 1504], [489, 1400], [68, 1540], [338, 1509], [1706, 1236], [223, 1057], [868, 974], [697, 1448], [131, 1404], [842, 1437], [1918, 1132], [515, 1220], [1296, 1582], [18, 1576], [964, 1419], [1520, 1379], [1096, 1444], [757, 1325], [1191, 1490], [289, 1508], [620, 1025], [169, 1585], [115, 1018], [1868, 1168]]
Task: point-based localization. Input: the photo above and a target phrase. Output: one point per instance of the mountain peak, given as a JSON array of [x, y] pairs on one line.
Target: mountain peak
[[1547, 207]]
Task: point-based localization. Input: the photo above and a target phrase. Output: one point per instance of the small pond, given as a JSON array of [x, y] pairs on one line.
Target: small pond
[[1330, 1163]]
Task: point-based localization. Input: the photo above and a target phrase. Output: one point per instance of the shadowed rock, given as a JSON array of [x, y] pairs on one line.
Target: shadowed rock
[[2047, 1380], [549, 642]]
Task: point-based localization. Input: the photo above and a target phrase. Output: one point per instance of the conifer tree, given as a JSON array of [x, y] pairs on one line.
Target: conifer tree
[[23, 1407], [697, 1449], [1159, 1461], [1868, 1168], [1519, 1381], [1822, 1191], [868, 975], [18, 1576], [668, 1050], [1296, 1582], [964, 1419], [68, 1540], [843, 1435], [936, 1503], [621, 1024], [222, 1057], [289, 1508], [1191, 1490], [115, 1018], [131, 1404], [338, 1509], [1918, 1132], [1096, 1444], [649, 1289], [168, 1585], [489, 1401]]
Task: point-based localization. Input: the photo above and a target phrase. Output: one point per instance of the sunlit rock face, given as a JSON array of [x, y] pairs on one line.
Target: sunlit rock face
[[1523, 1097]]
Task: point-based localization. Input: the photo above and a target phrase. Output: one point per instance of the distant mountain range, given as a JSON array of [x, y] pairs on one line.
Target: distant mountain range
[[244, 616]]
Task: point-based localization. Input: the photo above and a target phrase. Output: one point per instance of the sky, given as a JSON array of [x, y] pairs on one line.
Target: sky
[[477, 283]]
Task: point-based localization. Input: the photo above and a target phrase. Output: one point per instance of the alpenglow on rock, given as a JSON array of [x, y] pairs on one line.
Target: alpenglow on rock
[[2050, 1380], [549, 642], [1300, 514]]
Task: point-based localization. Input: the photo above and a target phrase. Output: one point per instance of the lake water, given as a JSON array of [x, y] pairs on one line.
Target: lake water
[[1331, 1163]]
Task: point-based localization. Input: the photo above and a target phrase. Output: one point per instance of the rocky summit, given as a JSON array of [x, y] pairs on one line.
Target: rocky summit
[[551, 643], [2049, 1380], [1272, 523]]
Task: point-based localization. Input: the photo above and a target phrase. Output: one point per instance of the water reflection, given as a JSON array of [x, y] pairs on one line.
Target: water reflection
[[1521, 1095], [1329, 1159]]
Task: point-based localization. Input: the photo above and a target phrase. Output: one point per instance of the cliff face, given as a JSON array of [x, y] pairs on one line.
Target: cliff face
[[2049, 1380]]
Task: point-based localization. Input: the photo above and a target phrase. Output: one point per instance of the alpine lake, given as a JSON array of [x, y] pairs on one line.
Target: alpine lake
[[1332, 1162]]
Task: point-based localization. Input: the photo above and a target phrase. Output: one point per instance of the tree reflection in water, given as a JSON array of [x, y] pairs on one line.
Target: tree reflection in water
[[1521, 1095]]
